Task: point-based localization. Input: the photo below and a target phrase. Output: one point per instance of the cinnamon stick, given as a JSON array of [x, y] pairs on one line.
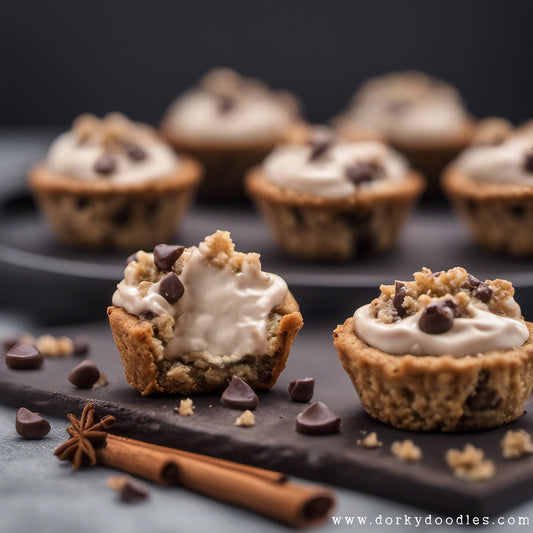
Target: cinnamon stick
[[249, 487]]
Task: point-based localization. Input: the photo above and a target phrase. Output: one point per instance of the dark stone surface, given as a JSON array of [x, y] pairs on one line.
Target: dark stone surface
[[273, 442]]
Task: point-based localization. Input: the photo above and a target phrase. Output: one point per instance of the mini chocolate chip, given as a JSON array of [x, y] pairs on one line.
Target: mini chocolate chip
[[471, 282], [9, 341], [171, 288], [106, 164], [483, 398], [317, 419], [133, 491], [165, 255], [239, 395], [436, 318], [225, 103], [146, 315], [136, 152], [320, 146], [131, 258], [31, 425], [528, 161], [24, 357], [483, 293], [359, 173], [80, 345], [518, 211], [301, 390], [452, 305], [84, 375], [399, 295]]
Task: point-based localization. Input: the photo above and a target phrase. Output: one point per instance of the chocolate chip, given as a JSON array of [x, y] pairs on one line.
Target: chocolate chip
[[24, 357], [136, 152], [436, 318], [320, 144], [84, 375], [483, 293], [225, 103], [483, 398], [239, 395], [31, 425], [301, 390], [9, 341], [133, 491], [80, 345], [359, 173], [165, 255], [146, 315], [317, 419], [528, 161], [399, 295], [171, 288], [106, 164], [471, 282], [518, 211], [131, 258]]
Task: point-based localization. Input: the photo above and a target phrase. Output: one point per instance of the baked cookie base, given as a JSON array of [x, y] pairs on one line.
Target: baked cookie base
[[445, 393], [499, 217], [101, 215], [318, 229], [146, 370]]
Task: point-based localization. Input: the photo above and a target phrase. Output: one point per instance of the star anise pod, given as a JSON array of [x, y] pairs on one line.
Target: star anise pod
[[85, 434]]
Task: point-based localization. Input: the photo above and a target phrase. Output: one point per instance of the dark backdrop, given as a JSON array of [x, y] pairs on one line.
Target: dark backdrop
[[62, 58]]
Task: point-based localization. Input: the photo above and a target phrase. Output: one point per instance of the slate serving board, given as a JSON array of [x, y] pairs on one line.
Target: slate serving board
[[272, 442]]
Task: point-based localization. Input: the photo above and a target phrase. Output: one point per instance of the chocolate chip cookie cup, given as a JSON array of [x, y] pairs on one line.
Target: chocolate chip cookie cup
[[491, 188], [444, 352], [332, 201], [185, 320], [113, 184], [230, 123]]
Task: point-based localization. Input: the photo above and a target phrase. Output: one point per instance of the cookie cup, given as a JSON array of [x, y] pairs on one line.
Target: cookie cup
[[146, 369], [426, 393], [499, 217], [225, 163], [315, 228], [104, 215]]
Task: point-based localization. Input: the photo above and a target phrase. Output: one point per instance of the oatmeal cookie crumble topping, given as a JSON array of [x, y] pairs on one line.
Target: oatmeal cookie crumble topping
[[370, 441], [246, 419], [516, 444], [406, 450], [470, 463]]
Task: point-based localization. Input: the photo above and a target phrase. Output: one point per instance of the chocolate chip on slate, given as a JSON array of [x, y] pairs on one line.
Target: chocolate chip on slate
[[317, 419], [436, 318], [359, 173], [528, 161], [31, 425], [165, 255], [483, 398], [136, 152], [106, 164], [24, 357], [320, 144], [301, 390], [399, 295], [133, 491], [239, 395], [131, 258], [171, 288], [80, 345], [84, 375], [9, 341]]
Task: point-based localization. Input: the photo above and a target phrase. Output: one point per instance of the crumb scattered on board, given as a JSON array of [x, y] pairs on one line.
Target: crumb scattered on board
[[516, 444], [116, 482], [246, 419], [470, 463], [186, 407], [406, 450], [370, 441]]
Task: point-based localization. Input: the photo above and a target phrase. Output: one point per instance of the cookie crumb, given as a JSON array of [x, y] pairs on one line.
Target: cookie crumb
[[370, 441], [186, 407], [246, 419], [470, 463], [516, 444], [406, 450], [51, 346], [116, 483]]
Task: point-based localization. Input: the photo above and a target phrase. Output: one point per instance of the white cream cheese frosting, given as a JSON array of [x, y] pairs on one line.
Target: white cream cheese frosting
[[481, 332], [502, 163], [227, 107], [409, 106], [76, 153], [291, 166], [222, 311]]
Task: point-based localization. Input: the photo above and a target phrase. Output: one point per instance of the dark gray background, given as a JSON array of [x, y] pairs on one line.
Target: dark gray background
[[62, 58]]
